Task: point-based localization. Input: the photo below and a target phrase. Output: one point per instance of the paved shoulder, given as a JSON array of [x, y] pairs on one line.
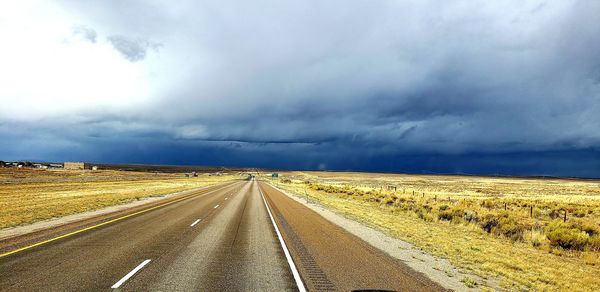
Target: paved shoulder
[[329, 258]]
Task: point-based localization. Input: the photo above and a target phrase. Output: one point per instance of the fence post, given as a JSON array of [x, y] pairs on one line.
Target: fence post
[[565, 219], [531, 211]]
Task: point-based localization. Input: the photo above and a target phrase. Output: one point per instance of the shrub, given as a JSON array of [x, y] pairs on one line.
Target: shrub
[[579, 213], [488, 222], [469, 282], [374, 200], [445, 215], [594, 243], [510, 228], [555, 213], [390, 201], [424, 215], [487, 204], [536, 237], [450, 214], [588, 227], [564, 235], [471, 216]]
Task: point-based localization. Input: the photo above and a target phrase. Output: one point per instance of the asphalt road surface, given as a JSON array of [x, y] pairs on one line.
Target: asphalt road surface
[[217, 239]]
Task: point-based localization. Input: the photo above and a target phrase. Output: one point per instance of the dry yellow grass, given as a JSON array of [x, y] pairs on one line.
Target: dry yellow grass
[[29, 195], [520, 255]]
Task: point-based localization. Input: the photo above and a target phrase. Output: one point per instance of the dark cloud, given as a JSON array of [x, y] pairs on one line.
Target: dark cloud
[[509, 88]]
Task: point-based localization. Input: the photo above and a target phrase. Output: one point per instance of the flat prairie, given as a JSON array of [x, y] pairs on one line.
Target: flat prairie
[[527, 233], [31, 195]]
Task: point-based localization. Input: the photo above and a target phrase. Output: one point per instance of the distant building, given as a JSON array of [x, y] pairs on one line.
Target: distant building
[[39, 165], [74, 165], [55, 165], [94, 167]]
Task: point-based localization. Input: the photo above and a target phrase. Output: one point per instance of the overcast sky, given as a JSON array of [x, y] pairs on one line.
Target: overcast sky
[[508, 87]]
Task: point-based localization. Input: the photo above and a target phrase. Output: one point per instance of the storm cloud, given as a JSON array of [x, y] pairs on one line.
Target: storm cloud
[[506, 87]]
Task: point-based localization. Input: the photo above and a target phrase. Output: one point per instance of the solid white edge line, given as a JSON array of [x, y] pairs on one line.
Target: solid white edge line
[[284, 246], [195, 222], [217, 206], [118, 284]]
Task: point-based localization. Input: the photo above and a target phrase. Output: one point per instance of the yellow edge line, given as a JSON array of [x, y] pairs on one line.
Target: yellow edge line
[[90, 227]]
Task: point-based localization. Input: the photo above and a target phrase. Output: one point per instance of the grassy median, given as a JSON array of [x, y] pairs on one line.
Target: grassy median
[[507, 228], [30, 195]]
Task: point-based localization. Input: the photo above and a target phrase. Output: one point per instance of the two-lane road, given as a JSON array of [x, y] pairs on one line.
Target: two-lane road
[[220, 239]]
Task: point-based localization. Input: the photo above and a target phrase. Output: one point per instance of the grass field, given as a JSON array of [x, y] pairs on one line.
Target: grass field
[[512, 229], [30, 195]]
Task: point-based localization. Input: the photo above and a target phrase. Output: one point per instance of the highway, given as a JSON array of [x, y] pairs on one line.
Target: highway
[[220, 238]]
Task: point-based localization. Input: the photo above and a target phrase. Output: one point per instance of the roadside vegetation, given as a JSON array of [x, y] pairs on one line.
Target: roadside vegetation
[[31, 195], [541, 234]]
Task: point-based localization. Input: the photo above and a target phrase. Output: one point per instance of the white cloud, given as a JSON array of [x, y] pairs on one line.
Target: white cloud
[[48, 71]]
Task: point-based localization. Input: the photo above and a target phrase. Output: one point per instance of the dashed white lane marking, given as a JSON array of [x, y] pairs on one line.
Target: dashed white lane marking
[[139, 267], [217, 206], [195, 222], [285, 249]]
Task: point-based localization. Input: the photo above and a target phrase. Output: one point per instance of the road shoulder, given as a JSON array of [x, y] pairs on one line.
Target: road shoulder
[[437, 269]]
